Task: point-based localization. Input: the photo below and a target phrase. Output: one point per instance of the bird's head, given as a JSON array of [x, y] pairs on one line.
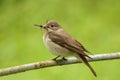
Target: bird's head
[[50, 26]]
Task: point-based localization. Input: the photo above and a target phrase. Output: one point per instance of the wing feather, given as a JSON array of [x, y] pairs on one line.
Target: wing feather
[[66, 41]]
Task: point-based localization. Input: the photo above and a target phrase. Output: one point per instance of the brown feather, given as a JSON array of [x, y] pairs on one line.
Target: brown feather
[[84, 60], [65, 40]]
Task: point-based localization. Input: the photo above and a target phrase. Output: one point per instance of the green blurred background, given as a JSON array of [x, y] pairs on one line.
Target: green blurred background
[[96, 23]]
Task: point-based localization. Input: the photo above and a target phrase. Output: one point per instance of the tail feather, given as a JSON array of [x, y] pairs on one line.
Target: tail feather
[[84, 60]]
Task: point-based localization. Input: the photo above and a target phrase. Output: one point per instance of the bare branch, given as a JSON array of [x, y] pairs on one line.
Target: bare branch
[[50, 63]]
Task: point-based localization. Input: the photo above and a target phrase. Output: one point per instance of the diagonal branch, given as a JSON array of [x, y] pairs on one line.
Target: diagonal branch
[[50, 63]]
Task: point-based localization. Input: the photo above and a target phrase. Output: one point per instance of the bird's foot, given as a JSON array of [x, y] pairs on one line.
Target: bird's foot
[[64, 58], [55, 58]]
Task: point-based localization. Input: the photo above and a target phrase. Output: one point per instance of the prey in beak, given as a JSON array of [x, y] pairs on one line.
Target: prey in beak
[[39, 26]]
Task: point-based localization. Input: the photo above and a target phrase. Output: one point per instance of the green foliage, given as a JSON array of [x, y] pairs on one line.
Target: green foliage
[[96, 23]]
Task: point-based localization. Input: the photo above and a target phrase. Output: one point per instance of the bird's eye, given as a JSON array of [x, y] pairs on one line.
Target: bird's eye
[[52, 25]]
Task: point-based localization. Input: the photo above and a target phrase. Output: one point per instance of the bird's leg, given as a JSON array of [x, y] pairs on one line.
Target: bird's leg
[[64, 58], [56, 58]]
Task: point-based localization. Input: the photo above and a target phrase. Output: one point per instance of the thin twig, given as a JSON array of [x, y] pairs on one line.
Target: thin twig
[[50, 63]]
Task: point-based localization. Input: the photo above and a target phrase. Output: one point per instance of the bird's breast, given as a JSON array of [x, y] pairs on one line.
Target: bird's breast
[[55, 48]]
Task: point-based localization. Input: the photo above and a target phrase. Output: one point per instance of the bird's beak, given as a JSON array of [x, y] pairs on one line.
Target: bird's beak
[[40, 26]]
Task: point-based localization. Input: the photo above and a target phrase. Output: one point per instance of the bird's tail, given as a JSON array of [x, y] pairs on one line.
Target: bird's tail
[[84, 60]]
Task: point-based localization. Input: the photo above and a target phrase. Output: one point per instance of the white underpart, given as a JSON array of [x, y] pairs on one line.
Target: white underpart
[[55, 49]]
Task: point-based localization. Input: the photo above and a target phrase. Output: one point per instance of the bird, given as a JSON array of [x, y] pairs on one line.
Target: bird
[[62, 44]]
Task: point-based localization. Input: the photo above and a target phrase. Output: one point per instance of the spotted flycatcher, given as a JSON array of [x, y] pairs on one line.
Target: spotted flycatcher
[[61, 44]]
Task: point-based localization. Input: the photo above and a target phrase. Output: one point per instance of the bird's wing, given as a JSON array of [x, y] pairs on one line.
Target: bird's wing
[[65, 40], [83, 48]]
